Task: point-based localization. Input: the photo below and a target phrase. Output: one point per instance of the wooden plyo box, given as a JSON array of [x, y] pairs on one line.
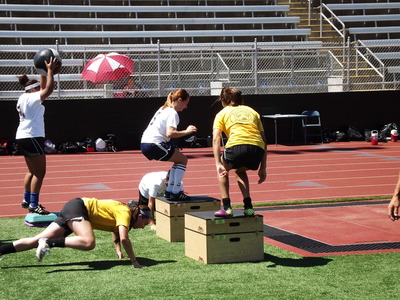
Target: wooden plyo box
[[214, 240], [170, 215]]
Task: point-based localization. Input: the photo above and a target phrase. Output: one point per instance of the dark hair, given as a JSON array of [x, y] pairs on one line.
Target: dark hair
[[174, 96], [136, 210], [231, 96], [25, 81]]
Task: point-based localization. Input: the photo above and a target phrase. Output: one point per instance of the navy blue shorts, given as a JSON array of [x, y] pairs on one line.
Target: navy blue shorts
[[161, 152], [31, 146], [248, 156], [73, 210]]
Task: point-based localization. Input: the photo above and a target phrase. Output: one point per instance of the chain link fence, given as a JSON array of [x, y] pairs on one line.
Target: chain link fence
[[203, 69]]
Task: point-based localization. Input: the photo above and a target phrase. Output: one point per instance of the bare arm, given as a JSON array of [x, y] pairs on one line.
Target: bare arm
[[172, 133], [152, 202], [47, 82], [126, 243], [262, 171], [393, 207], [117, 244], [216, 144]]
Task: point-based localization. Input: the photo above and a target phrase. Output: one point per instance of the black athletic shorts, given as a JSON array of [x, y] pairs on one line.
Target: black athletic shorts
[[240, 156], [31, 146], [162, 151], [73, 210], [143, 200]]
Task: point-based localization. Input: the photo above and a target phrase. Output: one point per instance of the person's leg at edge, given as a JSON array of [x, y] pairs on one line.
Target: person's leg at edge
[[52, 231]]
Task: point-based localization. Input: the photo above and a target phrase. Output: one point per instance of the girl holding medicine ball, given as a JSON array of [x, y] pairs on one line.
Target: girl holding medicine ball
[[30, 134]]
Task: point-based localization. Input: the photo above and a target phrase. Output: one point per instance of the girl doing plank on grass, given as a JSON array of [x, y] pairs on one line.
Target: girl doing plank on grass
[[245, 150], [81, 216], [156, 141], [30, 134]]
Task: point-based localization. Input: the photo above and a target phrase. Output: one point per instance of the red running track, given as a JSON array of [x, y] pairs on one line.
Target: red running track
[[295, 173]]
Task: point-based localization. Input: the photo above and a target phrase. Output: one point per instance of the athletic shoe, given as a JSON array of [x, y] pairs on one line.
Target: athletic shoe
[[181, 196], [42, 249], [167, 195], [249, 212], [222, 213], [24, 204], [38, 210]]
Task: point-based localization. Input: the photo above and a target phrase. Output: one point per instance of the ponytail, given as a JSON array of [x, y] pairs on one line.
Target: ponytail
[[175, 96], [27, 83]]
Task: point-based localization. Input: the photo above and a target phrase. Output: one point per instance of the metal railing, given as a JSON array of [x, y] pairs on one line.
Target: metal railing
[[202, 69]]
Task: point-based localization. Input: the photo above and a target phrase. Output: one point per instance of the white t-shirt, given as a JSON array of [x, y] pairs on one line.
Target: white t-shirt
[[154, 184], [156, 131], [31, 116]]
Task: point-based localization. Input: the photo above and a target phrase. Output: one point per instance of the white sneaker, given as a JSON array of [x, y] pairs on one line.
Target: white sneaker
[[42, 249]]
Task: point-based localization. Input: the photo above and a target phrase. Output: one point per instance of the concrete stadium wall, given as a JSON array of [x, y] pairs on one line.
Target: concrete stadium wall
[[74, 120]]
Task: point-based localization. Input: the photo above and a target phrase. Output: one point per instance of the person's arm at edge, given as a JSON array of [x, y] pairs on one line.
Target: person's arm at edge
[[393, 207], [262, 171]]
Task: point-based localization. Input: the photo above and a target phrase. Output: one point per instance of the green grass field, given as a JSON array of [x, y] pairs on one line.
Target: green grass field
[[98, 274]]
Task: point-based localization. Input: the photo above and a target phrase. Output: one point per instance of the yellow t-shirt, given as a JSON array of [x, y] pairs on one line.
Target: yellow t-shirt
[[107, 215], [241, 124]]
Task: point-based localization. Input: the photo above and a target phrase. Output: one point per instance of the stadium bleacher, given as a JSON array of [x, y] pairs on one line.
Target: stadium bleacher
[[147, 23], [128, 22]]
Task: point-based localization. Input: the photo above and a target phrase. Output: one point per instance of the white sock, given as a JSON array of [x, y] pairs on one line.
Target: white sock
[[178, 176], [171, 178]]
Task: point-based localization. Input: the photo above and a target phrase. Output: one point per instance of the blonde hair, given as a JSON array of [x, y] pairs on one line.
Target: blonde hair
[[175, 96]]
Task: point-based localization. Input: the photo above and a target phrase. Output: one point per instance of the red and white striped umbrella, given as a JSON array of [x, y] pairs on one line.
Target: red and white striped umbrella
[[107, 67]]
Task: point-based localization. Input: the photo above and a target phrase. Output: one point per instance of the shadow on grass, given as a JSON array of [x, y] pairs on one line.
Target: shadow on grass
[[304, 262], [94, 265]]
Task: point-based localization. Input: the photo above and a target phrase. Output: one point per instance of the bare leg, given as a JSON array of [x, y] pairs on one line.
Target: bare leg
[[37, 171], [179, 158], [243, 182], [84, 237], [223, 181], [52, 231]]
